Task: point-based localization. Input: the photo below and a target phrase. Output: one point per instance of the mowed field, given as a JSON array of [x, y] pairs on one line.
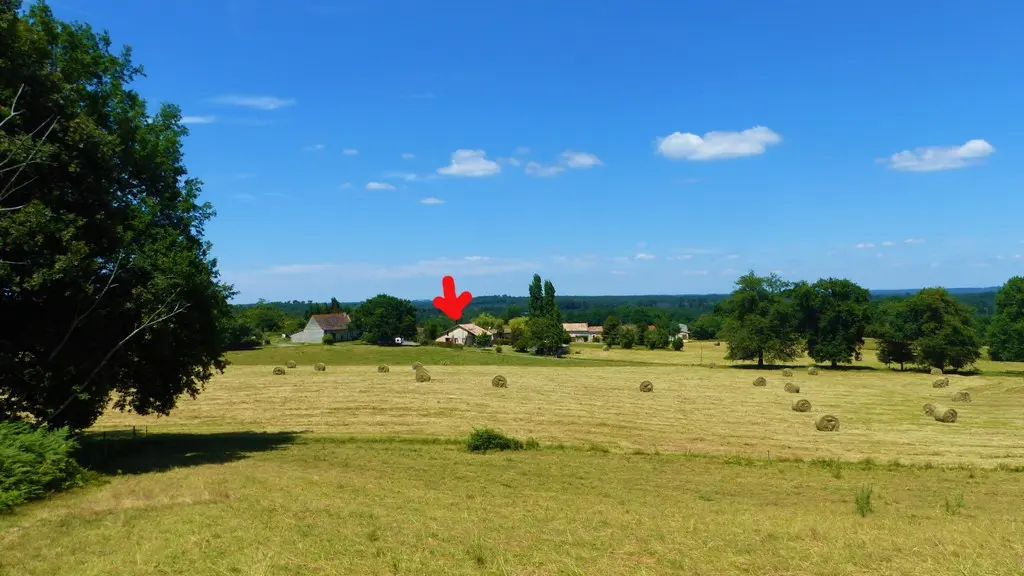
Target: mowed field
[[351, 471]]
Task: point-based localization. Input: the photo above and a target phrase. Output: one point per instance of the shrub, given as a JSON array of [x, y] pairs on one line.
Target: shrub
[[962, 396], [802, 405], [863, 501], [383, 369], [487, 440], [787, 372], [34, 462], [760, 381], [792, 388], [827, 423], [953, 506], [291, 364], [646, 386], [278, 371], [498, 348], [320, 367], [327, 339], [606, 348], [445, 363], [499, 381], [677, 344], [651, 344], [812, 371]]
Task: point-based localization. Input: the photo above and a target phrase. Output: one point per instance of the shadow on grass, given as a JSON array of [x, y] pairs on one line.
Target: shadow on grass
[[839, 368], [126, 453]]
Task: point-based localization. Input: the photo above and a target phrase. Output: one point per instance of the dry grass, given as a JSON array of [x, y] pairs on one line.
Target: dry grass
[[880, 411]]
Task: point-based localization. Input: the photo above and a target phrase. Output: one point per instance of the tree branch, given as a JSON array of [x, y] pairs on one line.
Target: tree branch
[[7, 189], [79, 318]]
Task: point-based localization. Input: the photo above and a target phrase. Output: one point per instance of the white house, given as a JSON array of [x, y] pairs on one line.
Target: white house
[[578, 331], [684, 332], [320, 325], [464, 334]]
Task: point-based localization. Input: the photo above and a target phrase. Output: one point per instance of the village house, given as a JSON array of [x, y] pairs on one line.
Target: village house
[[463, 334], [578, 331], [684, 332], [338, 326]]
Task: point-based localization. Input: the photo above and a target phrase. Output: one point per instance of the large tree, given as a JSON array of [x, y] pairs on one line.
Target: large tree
[[706, 327], [544, 330], [760, 320], [945, 334], [107, 287], [384, 317], [833, 314], [896, 333], [610, 330], [1006, 332]]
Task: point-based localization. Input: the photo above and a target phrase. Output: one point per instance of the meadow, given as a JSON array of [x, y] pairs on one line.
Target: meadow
[[352, 471]]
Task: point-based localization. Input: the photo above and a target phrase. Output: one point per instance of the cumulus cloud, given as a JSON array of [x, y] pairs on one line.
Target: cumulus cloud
[[198, 119], [314, 147], [540, 170], [255, 102], [470, 163], [437, 267], [935, 158], [644, 256], [431, 200], [522, 151], [717, 145], [864, 245], [580, 159], [345, 186], [914, 241], [888, 243], [408, 156], [379, 186], [350, 151], [568, 159]]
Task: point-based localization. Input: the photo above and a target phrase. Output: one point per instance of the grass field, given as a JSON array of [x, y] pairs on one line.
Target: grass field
[[355, 472]]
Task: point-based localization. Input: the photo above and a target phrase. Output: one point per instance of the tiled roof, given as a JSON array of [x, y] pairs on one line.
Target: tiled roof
[[595, 329], [474, 329], [574, 326], [332, 321]]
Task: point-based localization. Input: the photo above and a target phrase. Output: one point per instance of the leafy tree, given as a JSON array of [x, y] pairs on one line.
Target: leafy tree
[[107, 286], [1006, 332], [627, 339], [332, 307], [659, 338], [896, 334], [483, 340], [550, 308], [945, 334], [536, 297], [706, 327], [240, 333], [610, 330], [384, 317], [677, 344], [487, 321], [518, 334], [544, 330], [512, 311], [265, 317], [833, 314], [434, 327], [761, 320], [640, 334]]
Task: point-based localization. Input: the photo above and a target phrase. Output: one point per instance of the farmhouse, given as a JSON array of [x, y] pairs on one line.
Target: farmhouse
[[684, 333], [320, 325], [464, 334], [578, 331]]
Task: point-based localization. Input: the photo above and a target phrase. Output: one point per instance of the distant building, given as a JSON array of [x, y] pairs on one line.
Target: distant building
[[464, 334], [338, 326], [684, 332], [578, 331]]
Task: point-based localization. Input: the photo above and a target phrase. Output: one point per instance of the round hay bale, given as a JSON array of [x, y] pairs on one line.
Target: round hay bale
[[499, 381], [760, 381], [929, 409], [812, 371], [787, 372], [941, 383], [712, 365], [827, 423], [417, 366], [320, 367], [802, 405], [962, 396], [278, 371], [646, 386], [943, 414], [422, 375], [936, 371], [606, 348], [383, 369], [291, 364], [718, 343], [792, 388]]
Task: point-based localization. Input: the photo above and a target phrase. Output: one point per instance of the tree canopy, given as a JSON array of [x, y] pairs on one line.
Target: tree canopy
[[833, 314], [384, 317], [1006, 332], [760, 320]]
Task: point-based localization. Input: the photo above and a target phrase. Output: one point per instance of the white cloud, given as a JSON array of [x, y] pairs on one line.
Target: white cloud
[[717, 145], [477, 258], [431, 200], [732, 257], [350, 151], [934, 158], [314, 148], [256, 102], [694, 251], [537, 169], [681, 257], [522, 151], [198, 119], [864, 245], [437, 267], [471, 163], [379, 186], [695, 272], [888, 243], [618, 273], [727, 272], [644, 256], [580, 159], [408, 156], [345, 186], [914, 241]]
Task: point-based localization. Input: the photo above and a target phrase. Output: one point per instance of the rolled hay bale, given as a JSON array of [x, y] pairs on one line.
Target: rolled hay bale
[[291, 364], [499, 381], [718, 343], [936, 371], [802, 405], [278, 371], [787, 372], [941, 382], [812, 371], [383, 369], [606, 348], [760, 381], [417, 366], [962, 396], [929, 409], [422, 375], [712, 365], [827, 423], [792, 388], [320, 367], [646, 386], [943, 414]]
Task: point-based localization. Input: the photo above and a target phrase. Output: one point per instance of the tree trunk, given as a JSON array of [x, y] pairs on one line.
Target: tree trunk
[[835, 364], [760, 359]]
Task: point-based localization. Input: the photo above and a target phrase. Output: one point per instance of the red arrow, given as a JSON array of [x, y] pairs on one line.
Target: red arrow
[[451, 304]]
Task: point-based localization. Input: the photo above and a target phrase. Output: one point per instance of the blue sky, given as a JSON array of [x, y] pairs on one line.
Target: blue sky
[[615, 147]]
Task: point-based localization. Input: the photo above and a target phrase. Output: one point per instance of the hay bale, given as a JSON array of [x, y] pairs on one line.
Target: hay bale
[[802, 405], [929, 409], [383, 369], [787, 372], [827, 423], [718, 343], [320, 367], [941, 383], [792, 388], [936, 371], [812, 371], [962, 396], [278, 371], [943, 414], [417, 366], [422, 375], [712, 365], [291, 364], [760, 381], [499, 381], [646, 386], [606, 348]]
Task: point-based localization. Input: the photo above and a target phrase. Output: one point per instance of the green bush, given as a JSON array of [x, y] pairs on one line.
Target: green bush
[[498, 348], [34, 462], [487, 439], [677, 344], [327, 339]]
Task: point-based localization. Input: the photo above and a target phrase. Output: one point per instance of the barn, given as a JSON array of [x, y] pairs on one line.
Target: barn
[[337, 326]]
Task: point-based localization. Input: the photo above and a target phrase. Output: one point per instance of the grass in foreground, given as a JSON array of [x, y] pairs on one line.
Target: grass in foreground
[[286, 505]]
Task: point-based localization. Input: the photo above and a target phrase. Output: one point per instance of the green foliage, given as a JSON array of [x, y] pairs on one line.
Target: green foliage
[[640, 334], [677, 344], [550, 308], [627, 339], [327, 339], [490, 440], [896, 333], [544, 330], [384, 317], [862, 501], [954, 505], [761, 320], [517, 330], [945, 332], [536, 297], [332, 307], [489, 322], [1006, 332], [498, 349], [611, 330], [833, 314], [706, 327], [34, 462], [483, 340], [107, 286]]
